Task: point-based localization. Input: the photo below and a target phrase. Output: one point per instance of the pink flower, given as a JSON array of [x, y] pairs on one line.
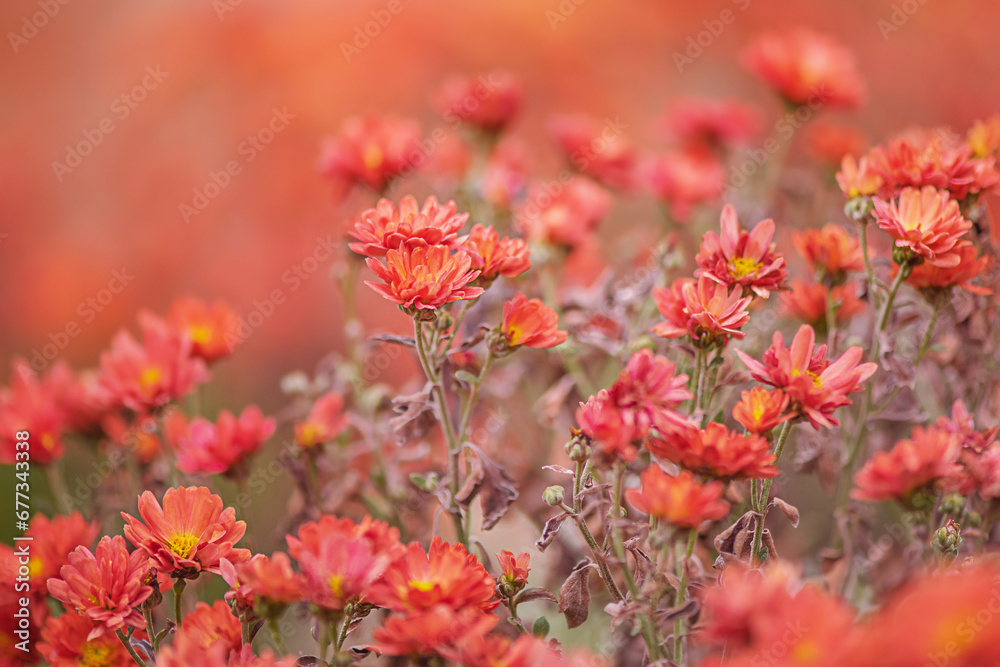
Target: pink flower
[[685, 179], [705, 310], [489, 101], [530, 323], [563, 215], [926, 221], [326, 421], [613, 165], [33, 404], [712, 122], [738, 257], [218, 448], [385, 227]]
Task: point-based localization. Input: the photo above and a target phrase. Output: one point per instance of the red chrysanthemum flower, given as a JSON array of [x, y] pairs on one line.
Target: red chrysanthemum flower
[[678, 499], [644, 397], [804, 66], [33, 404], [718, 452], [105, 585], [759, 410], [712, 122], [807, 302], [926, 221], [270, 579], [445, 574], [928, 276], [830, 251], [211, 328], [530, 323], [66, 643], [563, 214], [514, 569], [857, 178], [372, 151], [52, 542], [684, 180], [147, 376], [209, 624], [385, 227], [189, 534], [738, 257], [705, 310], [326, 421], [577, 137], [963, 425], [493, 256], [225, 446], [424, 277], [815, 386], [431, 632], [928, 456], [488, 101]]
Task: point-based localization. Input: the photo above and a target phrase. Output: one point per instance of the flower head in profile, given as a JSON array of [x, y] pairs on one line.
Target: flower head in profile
[[225, 446], [493, 256], [530, 323], [927, 222], [189, 534], [105, 585], [962, 424], [983, 137], [712, 123], [928, 456], [815, 386], [370, 151], [324, 423], [264, 581], [33, 404], [514, 569], [932, 278], [614, 165], [386, 227], [66, 642], [144, 377], [684, 180], [717, 452], [488, 102], [705, 310], [566, 217], [209, 624], [424, 277], [760, 409], [211, 327], [741, 258], [678, 499], [857, 178], [804, 66], [830, 251], [445, 574]]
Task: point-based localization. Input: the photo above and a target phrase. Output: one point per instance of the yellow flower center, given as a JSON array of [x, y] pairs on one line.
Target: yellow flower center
[[200, 334], [422, 586], [48, 442], [806, 652], [817, 380], [744, 266], [514, 335], [373, 157], [35, 566], [337, 584], [149, 378], [758, 412], [309, 434], [96, 655], [183, 545]]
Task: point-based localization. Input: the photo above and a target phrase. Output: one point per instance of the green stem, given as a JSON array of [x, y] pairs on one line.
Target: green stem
[[699, 368], [324, 639], [760, 503], [179, 587], [342, 636], [154, 639], [279, 641], [602, 565], [128, 647], [244, 630], [680, 622], [869, 274]]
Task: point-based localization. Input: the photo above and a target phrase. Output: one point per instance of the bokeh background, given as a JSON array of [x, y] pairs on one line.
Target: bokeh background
[[229, 64]]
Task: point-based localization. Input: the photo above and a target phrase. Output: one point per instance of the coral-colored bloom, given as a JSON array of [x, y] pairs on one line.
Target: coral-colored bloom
[[488, 102], [804, 66], [148, 376], [211, 328], [514, 569], [371, 150], [326, 421], [739, 257], [807, 302], [52, 542], [424, 277], [684, 179], [563, 217], [224, 446], [712, 122], [759, 409], [857, 178], [931, 277], [614, 164], [962, 424], [926, 221], [829, 143], [983, 137], [705, 310], [530, 323], [209, 624], [270, 579], [33, 404], [105, 585], [718, 452], [190, 533], [831, 251], [815, 386], [494, 256], [444, 574], [431, 632], [680, 500], [385, 227], [645, 396], [928, 456], [65, 643]]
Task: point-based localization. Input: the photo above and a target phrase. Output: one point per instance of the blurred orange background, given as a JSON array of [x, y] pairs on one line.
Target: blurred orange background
[[212, 74]]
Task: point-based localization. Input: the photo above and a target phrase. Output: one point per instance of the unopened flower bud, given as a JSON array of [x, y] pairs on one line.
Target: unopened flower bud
[[553, 495], [858, 208], [444, 322], [948, 538], [952, 504], [156, 597]]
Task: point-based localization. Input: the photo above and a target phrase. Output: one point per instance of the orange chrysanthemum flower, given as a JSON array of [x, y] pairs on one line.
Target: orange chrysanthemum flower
[[211, 328], [326, 421], [371, 151], [66, 643], [928, 276], [718, 452], [431, 632], [271, 580], [928, 456], [105, 585], [741, 258], [514, 569], [225, 446], [983, 137], [681, 500], [33, 404], [705, 310], [209, 624], [704, 122], [857, 178], [926, 221], [831, 251], [815, 386], [385, 227], [807, 302], [530, 323], [424, 277], [444, 574], [685, 179], [804, 66], [488, 101], [613, 165], [493, 256], [52, 541], [189, 534], [563, 215], [759, 410]]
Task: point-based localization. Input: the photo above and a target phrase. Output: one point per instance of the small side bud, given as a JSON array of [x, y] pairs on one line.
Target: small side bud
[[553, 495]]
